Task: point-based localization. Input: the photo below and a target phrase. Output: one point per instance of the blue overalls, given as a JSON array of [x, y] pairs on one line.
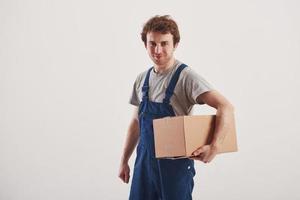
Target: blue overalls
[[159, 179]]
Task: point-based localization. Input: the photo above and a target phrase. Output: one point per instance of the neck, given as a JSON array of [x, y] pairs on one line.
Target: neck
[[163, 68]]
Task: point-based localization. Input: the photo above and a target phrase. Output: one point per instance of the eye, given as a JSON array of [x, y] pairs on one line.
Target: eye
[[164, 43], [152, 44]]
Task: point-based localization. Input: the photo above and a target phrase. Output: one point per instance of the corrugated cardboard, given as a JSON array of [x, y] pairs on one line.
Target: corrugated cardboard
[[177, 137]]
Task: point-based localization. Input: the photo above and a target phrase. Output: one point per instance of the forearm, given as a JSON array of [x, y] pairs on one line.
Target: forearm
[[131, 140], [224, 122]]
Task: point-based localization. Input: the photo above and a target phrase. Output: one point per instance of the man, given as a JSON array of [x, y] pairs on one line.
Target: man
[[169, 88]]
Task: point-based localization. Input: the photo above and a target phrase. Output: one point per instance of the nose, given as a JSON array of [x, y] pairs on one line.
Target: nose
[[158, 49]]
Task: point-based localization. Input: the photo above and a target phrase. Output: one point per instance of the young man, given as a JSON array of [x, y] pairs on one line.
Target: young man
[[169, 88]]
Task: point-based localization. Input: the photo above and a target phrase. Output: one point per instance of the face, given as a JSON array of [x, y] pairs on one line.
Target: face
[[160, 47]]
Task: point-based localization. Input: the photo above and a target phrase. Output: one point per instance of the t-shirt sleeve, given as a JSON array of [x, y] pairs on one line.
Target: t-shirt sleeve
[[195, 86], [134, 98]]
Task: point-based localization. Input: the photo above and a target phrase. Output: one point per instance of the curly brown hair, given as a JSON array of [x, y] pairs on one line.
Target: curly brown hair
[[162, 24]]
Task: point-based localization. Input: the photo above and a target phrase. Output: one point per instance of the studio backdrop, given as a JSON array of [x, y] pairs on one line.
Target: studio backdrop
[[67, 70]]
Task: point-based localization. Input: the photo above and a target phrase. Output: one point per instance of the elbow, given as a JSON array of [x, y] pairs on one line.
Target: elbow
[[230, 107], [135, 122]]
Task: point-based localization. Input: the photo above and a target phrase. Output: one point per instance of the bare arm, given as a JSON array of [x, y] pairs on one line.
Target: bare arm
[[130, 144], [132, 137], [224, 120]]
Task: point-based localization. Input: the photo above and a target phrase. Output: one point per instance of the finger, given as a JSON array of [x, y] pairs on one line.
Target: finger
[[206, 158], [121, 176], [200, 150], [211, 157], [200, 156], [126, 178]]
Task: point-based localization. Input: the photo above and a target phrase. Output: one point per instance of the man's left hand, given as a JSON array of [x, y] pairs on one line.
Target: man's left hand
[[205, 153]]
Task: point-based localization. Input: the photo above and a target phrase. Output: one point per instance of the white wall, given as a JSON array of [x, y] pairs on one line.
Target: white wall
[[66, 73]]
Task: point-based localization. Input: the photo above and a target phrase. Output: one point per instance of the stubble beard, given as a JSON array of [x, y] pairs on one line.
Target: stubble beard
[[162, 61]]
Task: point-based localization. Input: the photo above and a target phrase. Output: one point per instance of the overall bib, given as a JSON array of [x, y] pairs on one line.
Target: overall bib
[[159, 179]]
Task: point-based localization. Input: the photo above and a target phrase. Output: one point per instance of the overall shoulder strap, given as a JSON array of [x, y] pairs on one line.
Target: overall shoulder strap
[[172, 84], [145, 88]]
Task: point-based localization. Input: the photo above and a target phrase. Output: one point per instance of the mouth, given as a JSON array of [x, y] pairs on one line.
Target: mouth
[[157, 57]]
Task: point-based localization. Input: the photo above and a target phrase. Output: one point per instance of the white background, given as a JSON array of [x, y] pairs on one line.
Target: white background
[[66, 73]]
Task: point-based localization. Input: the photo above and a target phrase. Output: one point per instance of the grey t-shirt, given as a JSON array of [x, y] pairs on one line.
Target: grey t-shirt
[[189, 86]]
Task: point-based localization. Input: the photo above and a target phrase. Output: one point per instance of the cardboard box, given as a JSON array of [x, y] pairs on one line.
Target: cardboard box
[[179, 137]]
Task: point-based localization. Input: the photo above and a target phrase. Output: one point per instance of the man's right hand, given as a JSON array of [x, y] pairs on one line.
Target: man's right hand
[[124, 172]]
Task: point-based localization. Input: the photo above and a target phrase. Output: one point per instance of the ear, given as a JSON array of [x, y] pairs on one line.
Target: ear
[[175, 46]]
